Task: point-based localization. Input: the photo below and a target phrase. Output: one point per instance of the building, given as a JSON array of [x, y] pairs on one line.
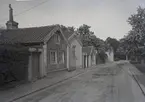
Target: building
[[89, 56], [76, 45], [51, 48], [85, 57], [110, 54], [48, 47]]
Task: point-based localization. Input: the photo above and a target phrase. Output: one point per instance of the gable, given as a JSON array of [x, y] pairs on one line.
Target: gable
[[89, 50], [93, 51], [53, 33], [74, 40], [67, 33], [54, 39], [74, 37]]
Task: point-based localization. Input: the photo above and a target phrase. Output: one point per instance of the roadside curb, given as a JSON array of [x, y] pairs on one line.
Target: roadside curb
[[136, 79]]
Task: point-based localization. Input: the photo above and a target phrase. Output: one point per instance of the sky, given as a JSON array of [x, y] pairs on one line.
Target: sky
[[107, 18]]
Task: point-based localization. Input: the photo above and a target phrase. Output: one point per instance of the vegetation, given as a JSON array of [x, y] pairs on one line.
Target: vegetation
[[88, 38], [132, 45], [114, 43]]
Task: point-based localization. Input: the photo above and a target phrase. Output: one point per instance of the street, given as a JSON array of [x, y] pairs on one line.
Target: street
[[111, 83], [72, 51]]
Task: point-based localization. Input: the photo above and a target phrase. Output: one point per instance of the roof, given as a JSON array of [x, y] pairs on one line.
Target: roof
[[88, 50], [73, 35], [13, 48], [67, 33], [26, 35]]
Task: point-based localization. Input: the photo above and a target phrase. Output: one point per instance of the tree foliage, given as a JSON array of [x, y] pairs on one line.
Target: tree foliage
[[88, 38], [114, 43], [85, 30], [71, 28], [132, 43], [136, 35]]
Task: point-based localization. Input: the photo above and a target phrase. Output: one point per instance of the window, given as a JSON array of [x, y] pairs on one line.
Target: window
[[92, 58], [73, 51], [53, 57], [57, 39], [61, 57]]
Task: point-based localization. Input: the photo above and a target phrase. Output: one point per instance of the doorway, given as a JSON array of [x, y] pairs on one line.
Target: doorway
[[35, 65], [86, 60]]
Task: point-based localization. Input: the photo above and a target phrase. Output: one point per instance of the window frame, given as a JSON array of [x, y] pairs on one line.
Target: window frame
[[57, 38], [51, 62], [74, 51]]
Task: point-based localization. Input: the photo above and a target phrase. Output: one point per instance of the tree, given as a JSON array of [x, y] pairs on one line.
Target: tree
[[70, 28], [89, 39], [123, 49], [114, 43], [136, 36], [85, 32]]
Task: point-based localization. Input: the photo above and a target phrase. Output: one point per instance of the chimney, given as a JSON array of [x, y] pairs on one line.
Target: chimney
[[11, 24]]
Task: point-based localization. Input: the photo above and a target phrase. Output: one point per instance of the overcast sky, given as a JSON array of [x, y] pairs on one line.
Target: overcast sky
[[106, 17]]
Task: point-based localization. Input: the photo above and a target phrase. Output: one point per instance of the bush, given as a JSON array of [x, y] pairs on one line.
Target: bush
[[16, 59], [103, 56]]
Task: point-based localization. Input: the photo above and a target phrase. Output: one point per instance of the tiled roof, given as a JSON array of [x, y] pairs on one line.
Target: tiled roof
[[87, 49], [25, 35]]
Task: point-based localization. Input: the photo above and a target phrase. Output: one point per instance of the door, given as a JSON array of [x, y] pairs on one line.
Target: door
[[72, 58], [85, 61], [35, 65]]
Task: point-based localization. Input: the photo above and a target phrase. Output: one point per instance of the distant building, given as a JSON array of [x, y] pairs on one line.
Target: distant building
[[89, 56], [110, 54]]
